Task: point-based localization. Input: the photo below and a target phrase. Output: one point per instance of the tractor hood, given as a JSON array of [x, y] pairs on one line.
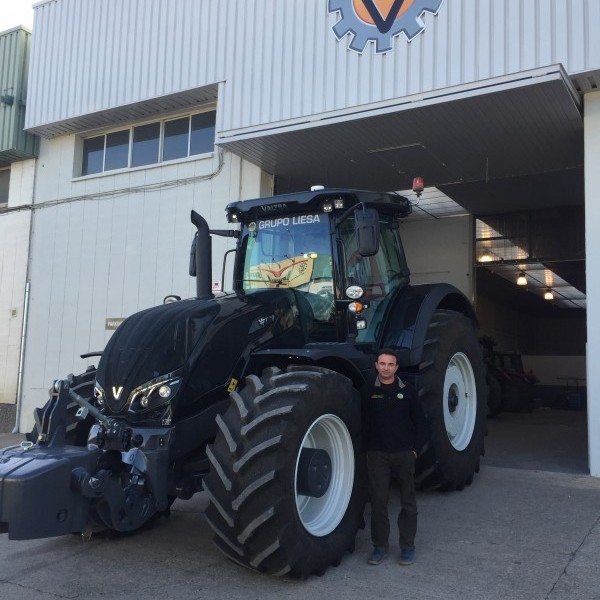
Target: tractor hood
[[191, 344]]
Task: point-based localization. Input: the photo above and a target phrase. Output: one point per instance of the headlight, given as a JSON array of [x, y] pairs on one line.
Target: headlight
[[99, 396], [165, 391], [355, 292], [154, 394]]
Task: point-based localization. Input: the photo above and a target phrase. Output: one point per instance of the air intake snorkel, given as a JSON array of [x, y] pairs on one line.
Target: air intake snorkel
[[201, 258]]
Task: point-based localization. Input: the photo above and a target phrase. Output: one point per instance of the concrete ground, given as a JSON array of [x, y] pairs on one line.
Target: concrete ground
[[528, 528], [7, 417]]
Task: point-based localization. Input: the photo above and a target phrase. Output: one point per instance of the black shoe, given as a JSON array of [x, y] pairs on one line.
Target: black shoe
[[407, 556], [377, 555]]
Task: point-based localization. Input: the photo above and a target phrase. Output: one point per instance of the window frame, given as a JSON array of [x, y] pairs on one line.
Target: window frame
[[189, 138], [4, 204], [161, 144]]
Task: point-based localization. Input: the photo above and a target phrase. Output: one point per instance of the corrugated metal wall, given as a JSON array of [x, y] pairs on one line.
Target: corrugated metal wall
[[15, 143], [93, 55], [307, 71], [281, 60]]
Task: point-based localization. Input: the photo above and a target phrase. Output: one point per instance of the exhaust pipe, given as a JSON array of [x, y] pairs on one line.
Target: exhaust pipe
[[201, 259]]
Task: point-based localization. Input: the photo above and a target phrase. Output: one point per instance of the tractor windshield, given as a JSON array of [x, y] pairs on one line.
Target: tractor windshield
[[291, 252]]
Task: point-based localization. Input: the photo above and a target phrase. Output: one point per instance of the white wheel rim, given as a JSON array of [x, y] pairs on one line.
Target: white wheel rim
[[320, 516], [460, 401]]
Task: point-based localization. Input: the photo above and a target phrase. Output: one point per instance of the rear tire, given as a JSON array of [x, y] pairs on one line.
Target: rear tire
[[258, 511], [453, 391], [495, 395]]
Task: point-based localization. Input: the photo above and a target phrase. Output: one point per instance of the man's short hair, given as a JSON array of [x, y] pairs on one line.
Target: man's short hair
[[387, 351]]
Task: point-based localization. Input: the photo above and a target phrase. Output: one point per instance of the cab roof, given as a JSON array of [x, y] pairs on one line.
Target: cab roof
[[313, 201]]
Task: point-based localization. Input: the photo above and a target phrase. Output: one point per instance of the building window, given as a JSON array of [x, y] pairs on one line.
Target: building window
[[93, 155], [202, 137], [176, 139], [4, 185], [146, 143], [116, 155], [150, 143]]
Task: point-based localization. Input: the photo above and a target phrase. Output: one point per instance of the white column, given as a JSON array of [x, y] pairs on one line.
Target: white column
[[591, 124]]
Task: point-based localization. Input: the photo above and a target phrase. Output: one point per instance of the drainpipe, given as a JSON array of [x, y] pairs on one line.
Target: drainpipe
[[25, 306], [22, 358]]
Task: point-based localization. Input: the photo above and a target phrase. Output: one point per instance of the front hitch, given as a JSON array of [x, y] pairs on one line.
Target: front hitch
[[44, 487], [119, 480], [51, 420]]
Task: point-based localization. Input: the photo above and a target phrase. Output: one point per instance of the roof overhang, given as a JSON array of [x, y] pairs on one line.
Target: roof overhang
[[136, 111], [528, 122]]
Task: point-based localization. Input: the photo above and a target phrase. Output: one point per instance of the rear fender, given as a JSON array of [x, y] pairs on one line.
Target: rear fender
[[410, 313]]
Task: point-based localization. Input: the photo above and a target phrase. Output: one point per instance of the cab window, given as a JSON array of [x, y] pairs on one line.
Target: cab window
[[379, 275]]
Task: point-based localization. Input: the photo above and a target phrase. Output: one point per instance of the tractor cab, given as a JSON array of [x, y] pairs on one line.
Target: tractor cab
[[339, 251]]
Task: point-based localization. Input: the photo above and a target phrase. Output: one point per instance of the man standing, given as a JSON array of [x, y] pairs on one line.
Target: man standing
[[395, 430]]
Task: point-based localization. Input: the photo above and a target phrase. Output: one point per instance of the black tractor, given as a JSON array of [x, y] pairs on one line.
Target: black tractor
[[254, 396]]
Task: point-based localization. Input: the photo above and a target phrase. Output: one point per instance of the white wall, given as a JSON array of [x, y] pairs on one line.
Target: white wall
[[591, 123], [440, 250], [109, 245], [14, 244]]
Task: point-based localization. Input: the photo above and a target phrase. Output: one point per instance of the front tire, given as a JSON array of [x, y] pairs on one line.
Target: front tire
[[287, 481], [453, 391]]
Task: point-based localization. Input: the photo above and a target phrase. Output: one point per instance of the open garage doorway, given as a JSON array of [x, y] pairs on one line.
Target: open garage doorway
[[531, 302], [536, 347], [511, 147]]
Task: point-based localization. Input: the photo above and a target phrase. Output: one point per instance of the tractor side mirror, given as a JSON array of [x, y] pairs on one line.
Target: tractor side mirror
[[366, 223], [193, 256]]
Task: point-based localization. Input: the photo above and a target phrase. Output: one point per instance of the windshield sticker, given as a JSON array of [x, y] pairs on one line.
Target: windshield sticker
[[290, 272], [285, 222]]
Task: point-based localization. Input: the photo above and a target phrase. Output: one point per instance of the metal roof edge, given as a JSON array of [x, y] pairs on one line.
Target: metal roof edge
[[458, 92]]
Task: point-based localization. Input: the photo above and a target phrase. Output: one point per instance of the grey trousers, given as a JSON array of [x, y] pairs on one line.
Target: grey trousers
[[382, 467]]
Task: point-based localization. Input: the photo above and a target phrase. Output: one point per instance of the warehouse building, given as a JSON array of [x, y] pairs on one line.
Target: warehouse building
[[141, 111]]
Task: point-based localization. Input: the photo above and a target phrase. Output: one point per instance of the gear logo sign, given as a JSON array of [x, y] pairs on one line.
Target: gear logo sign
[[380, 21]]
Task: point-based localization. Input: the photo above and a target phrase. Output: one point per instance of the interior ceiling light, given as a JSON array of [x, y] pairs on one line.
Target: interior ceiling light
[[548, 295], [486, 257], [539, 277], [521, 279]]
